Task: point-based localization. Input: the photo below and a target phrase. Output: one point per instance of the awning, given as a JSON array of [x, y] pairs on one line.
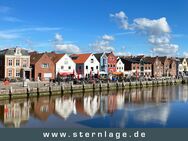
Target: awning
[[117, 73], [65, 73]]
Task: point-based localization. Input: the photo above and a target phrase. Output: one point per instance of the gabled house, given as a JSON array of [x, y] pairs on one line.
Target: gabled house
[[112, 61], [87, 65], [15, 64], [157, 67], [43, 67], [137, 66], [169, 66], [120, 65], [64, 65], [183, 66], [103, 60]]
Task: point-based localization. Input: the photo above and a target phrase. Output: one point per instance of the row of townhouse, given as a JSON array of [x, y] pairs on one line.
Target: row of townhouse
[[141, 66], [18, 63]]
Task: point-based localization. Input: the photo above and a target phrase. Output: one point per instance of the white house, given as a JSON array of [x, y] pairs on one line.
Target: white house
[[64, 65], [183, 66], [120, 66], [87, 65]]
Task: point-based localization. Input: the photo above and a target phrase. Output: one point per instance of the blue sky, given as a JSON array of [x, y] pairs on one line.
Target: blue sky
[[74, 26]]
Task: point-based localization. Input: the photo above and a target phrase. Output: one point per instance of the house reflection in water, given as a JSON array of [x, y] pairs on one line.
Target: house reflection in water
[[43, 108], [91, 105], [88, 105], [65, 107], [14, 114]]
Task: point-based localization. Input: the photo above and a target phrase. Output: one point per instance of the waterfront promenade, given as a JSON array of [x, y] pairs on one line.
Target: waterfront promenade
[[18, 90]]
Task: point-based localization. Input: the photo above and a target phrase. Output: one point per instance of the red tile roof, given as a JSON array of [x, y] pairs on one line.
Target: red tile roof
[[55, 57], [80, 58], [34, 57]]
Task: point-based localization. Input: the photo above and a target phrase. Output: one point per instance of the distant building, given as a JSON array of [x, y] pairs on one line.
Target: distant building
[[43, 67], [183, 66], [87, 65], [137, 66], [64, 65], [103, 60], [112, 61], [157, 67], [120, 66], [169, 66], [15, 64]]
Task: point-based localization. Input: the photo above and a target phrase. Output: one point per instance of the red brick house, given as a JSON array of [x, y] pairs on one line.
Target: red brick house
[[169, 66], [112, 61], [43, 67], [157, 67]]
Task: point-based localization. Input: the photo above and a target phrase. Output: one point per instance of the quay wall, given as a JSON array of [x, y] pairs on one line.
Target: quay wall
[[41, 90]]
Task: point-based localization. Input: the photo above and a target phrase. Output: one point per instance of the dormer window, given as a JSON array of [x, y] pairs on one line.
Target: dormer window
[[18, 51]]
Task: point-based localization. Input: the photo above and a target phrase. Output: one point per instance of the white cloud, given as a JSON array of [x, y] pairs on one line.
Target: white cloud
[[103, 44], [185, 54], [151, 27], [107, 37], [58, 37], [157, 31], [121, 19], [6, 36], [60, 46], [122, 53], [67, 48], [168, 49]]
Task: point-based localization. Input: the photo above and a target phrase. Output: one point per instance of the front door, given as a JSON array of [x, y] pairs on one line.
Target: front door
[[27, 74]]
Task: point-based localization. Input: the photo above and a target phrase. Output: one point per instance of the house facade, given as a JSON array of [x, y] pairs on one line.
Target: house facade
[[43, 67], [64, 65], [137, 67], [157, 67], [112, 61], [183, 66], [15, 64], [120, 66], [169, 66], [103, 60], [87, 65]]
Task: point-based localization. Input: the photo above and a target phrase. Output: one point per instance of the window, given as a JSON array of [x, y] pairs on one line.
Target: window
[[62, 67], [24, 64], [92, 69], [9, 62], [69, 67], [97, 67], [80, 67], [45, 65], [92, 61], [10, 73], [17, 73], [86, 67], [17, 62]]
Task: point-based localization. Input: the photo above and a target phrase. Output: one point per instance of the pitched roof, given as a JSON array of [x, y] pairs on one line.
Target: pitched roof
[[162, 59], [35, 57], [80, 58], [150, 59], [11, 51], [55, 57], [98, 56]]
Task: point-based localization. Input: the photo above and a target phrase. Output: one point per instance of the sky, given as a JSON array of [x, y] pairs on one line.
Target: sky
[[150, 27]]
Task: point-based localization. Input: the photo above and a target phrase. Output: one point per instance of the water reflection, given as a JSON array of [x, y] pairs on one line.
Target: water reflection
[[15, 114], [148, 107], [65, 106]]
